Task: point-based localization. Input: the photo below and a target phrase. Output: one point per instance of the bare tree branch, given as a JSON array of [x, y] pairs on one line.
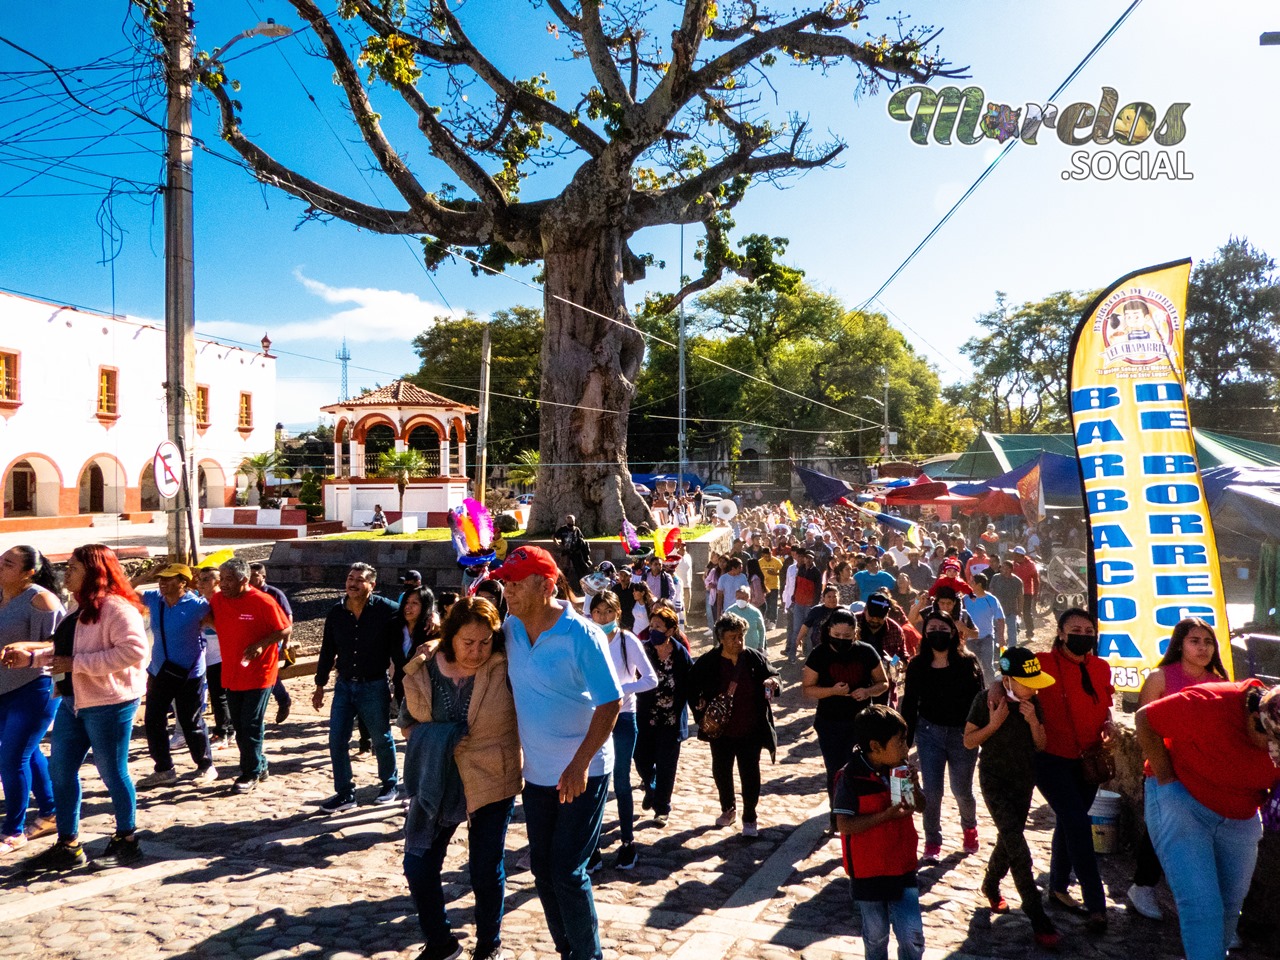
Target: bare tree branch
[[446, 148], [464, 53], [601, 57]]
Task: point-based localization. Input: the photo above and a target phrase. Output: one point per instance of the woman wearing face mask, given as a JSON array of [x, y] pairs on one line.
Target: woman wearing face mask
[[1191, 659], [942, 681], [1077, 718], [749, 681], [635, 675], [843, 674], [661, 718]]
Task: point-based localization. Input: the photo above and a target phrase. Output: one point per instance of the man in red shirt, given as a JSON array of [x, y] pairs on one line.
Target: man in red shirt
[[250, 628], [1026, 570]]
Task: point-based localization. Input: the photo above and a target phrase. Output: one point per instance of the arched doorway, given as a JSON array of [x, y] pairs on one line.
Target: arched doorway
[[341, 436], [211, 484], [150, 496], [102, 486], [31, 488]]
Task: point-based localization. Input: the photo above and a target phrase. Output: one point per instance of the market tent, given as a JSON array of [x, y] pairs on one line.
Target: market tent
[[931, 491], [821, 488], [1059, 476], [993, 454], [1245, 506]]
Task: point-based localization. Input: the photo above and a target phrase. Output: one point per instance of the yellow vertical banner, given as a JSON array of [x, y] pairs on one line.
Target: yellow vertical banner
[[1152, 556]]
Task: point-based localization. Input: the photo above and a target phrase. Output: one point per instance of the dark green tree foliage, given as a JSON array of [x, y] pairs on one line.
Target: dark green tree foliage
[[1020, 365], [450, 365], [1232, 342], [808, 342]]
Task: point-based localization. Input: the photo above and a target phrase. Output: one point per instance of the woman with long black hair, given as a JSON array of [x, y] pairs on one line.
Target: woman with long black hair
[[942, 680], [844, 675], [1077, 720]]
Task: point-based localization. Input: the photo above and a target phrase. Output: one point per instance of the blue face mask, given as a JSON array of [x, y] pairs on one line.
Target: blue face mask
[[609, 627]]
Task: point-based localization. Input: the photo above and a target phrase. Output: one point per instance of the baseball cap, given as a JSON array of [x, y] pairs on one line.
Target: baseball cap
[[1019, 550], [606, 566], [877, 605], [527, 562], [176, 570], [413, 576], [1021, 664]]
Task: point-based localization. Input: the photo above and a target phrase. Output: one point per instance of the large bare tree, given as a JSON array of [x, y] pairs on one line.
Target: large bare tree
[[671, 129]]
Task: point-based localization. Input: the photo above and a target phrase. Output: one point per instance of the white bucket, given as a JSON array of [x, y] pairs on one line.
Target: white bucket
[[1104, 815]]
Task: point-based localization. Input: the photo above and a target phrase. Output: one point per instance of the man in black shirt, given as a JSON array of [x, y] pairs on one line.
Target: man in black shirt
[[361, 643], [258, 577]]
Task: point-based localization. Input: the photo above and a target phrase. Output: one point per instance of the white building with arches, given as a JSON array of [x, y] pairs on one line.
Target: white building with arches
[[82, 409], [399, 416]]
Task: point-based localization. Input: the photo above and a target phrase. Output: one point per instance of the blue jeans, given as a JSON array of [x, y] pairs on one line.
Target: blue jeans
[[371, 701], [1215, 856], [107, 730], [1010, 629], [657, 757], [1062, 783], [25, 715], [486, 843], [941, 747], [903, 915], [248, 712], [562, 837], [795, 621], [984, 648], [624, 748]]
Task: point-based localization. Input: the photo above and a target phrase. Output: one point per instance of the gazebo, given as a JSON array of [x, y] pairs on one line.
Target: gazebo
[[397, 417]]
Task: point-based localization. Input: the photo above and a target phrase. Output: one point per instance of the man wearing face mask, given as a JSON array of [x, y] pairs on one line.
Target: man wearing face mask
[[754, 638], [875, 627]]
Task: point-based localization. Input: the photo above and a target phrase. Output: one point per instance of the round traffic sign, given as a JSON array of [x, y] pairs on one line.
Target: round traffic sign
[[167, 467]]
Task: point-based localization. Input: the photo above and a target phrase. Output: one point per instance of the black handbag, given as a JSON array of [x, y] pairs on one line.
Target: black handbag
[[170, 672]]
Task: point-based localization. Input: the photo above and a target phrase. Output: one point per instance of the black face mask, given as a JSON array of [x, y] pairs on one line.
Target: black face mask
[[1080, 643], [840, 643], [938, 639]]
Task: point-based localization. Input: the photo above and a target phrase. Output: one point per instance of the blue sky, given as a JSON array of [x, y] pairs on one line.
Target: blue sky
[[1026, 231]]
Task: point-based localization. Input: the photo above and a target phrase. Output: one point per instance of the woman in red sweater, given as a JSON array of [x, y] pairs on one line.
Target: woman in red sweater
[[1210, 749], [1077, 718]]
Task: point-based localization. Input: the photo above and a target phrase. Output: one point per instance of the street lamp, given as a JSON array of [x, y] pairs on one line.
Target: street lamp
[[268, 29], [1270, 39]]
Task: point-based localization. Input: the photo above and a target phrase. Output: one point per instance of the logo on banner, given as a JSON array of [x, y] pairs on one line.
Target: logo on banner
[[1137, 328]]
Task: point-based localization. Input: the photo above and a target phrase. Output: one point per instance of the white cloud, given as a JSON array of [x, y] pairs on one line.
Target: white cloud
[[372, 315]]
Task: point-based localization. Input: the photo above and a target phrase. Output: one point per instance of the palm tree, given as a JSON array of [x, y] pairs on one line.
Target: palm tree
[[525, 469], [401, 464], [256, 466]]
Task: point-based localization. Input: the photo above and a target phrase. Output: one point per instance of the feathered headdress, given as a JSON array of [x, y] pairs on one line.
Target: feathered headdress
[[471, 529]]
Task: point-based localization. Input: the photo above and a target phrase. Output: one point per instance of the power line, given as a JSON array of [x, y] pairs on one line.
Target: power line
[[1111, 31]]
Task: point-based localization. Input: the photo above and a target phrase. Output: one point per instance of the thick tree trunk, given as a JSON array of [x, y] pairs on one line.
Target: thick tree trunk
[[589, 364]]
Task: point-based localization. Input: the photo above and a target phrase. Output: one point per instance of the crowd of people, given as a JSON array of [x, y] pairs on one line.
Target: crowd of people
[[559, 690]]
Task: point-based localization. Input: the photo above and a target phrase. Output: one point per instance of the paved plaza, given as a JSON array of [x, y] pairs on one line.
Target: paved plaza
[[269, 876]]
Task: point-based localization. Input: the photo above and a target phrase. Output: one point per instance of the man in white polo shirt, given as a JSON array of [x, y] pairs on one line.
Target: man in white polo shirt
[[567, 699]]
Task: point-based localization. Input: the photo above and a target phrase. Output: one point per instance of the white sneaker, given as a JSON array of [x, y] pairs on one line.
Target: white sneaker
[[749, 829], [1143, 900], [158, 779], [207, 775]]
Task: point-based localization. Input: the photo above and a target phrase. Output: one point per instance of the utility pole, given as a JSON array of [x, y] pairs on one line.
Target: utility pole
[[681, 427], [482, 429], [179, 271], [886, 413]]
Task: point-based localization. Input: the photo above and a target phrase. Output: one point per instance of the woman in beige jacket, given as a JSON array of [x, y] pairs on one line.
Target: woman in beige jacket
[[462, 762]]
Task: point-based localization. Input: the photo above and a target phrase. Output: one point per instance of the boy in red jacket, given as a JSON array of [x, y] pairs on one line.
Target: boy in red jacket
[[878, 836]]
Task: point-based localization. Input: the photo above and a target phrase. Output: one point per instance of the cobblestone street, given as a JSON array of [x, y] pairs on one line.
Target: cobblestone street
[[269, 876]]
